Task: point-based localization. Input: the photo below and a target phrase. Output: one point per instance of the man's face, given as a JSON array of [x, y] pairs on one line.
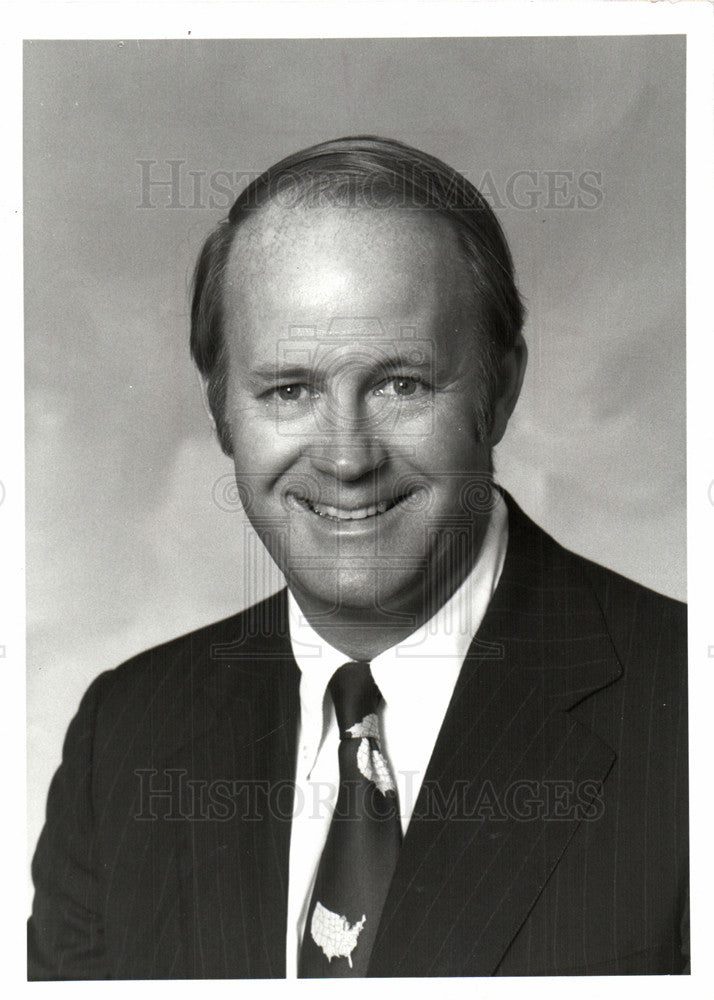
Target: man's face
[[354, 382]]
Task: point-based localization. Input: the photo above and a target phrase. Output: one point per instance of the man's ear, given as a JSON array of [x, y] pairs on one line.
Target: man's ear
[[203, 383], [513, 368], [222, 433]]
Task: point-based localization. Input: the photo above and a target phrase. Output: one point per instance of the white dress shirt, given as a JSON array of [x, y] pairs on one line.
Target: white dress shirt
[[416, 678]]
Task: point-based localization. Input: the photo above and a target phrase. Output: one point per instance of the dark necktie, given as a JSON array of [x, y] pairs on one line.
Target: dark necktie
[[363, 841]]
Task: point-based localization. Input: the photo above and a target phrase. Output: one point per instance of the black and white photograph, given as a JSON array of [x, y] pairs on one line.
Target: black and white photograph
[[356, 485]]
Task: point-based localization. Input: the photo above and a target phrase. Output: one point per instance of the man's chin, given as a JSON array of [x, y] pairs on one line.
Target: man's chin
[[367, 596]]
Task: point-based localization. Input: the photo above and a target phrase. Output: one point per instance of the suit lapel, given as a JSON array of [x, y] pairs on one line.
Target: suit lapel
[[512, 774]]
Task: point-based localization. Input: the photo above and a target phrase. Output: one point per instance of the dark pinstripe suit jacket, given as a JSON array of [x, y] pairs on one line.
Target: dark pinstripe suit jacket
[[550, 836]]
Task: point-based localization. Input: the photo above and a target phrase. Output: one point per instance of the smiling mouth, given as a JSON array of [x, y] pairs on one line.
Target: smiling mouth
[[331, 513]]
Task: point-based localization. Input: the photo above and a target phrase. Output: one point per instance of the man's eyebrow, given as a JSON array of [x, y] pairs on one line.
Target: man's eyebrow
[[273, 373], [303, 373]]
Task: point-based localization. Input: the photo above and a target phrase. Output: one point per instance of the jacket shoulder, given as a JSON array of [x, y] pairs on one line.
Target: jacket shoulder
[[642, 624], [632, 609], [619, 597], [210, 663], [255, 632], [648, 630]]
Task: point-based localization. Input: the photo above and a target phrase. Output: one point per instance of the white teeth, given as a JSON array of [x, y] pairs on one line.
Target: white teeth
[[338, 514], [349, 515], [359, 514]]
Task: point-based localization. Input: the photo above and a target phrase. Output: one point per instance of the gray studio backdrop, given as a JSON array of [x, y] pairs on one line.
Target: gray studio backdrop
[[134, 533]]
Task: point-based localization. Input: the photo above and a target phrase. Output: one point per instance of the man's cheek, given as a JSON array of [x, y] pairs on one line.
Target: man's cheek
[[260, 447]]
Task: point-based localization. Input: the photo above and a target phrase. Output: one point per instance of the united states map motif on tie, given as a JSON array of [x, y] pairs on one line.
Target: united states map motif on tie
[[333, 933]]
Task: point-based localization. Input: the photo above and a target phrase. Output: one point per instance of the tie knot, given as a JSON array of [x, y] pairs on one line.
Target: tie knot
[[356, 697]]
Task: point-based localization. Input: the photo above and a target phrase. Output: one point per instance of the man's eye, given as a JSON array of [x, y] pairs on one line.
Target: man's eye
[[292, 393], [400, 385]]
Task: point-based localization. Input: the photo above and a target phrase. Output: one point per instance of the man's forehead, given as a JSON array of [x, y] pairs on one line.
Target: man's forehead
[[308, 266], [409, 235], [339, 282]]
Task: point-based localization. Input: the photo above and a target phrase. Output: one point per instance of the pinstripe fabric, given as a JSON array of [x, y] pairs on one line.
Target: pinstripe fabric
[[550, 835]]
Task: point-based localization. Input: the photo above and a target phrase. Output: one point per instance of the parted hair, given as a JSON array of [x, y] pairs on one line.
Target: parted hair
[[373, 173]]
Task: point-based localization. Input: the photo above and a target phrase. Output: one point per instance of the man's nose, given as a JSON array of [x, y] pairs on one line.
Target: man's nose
[[348, 445]]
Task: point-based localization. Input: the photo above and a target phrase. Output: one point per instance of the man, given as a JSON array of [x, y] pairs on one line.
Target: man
[[450, 748]]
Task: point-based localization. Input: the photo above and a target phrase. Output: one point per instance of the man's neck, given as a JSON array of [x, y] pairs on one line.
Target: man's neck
[[362, 633], [361, 641]]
